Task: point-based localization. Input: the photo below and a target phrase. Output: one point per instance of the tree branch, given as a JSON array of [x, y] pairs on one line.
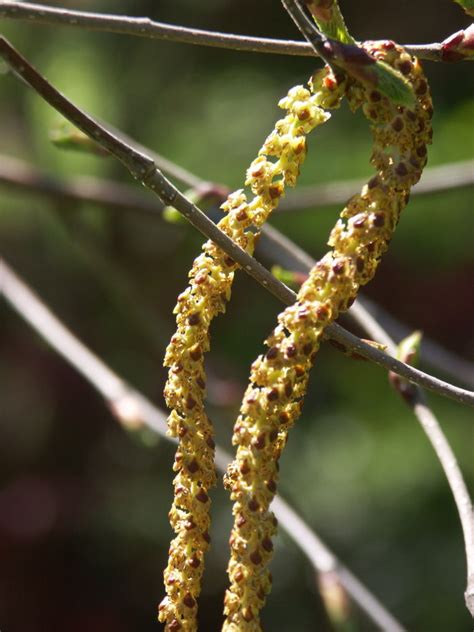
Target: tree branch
[[274, 245], [416, 401], [132, 410], [144, 27], [142, 167], [434, 180]]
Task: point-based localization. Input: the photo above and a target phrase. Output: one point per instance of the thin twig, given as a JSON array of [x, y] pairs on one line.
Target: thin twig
[[456, 483], [114, 195], [307, 28], [144, 27], [142, 167], [132, 409], [416, 401], [80, 189], [445, 177], [275, 246]]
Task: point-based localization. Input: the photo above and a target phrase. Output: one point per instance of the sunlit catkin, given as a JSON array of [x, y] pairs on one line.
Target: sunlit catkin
[[279, 378], [211, 276]]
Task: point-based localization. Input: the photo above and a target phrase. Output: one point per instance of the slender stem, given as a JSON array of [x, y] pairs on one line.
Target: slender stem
[[132, 409], [144, 27], [142, 167], [80, 189], [456, 483], [416, 401], [114, 195], [308, 29], [434, 180], [275, 246]]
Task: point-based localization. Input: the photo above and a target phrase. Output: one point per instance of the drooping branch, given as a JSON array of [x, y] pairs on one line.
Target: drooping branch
[[434, 180], [133, 410], [143, 168], [275, 246], [144, 27], [116, 196], [415, 399]]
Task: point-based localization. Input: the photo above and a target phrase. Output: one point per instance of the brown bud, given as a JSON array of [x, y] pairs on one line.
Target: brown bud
[[259, 442], [194, 562], [244, 468], [397, 124], [253, 505], [378, 219], [238, 575], [247, 614], [195, 352], [267, 544], [190, 402], [338, 267], [273, 395], [307, 349], [202, 496], [193, 466], [188, 601], [211, 443], [194, 319], [271, 486], [272, 353], [401, 169], [240, 521], [405, 67]]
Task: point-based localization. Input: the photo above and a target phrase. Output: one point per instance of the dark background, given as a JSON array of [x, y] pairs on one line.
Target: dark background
[[83, 504]]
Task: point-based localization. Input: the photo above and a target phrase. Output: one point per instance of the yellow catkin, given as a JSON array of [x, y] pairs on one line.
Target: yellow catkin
[[211, 276], [279, 378]]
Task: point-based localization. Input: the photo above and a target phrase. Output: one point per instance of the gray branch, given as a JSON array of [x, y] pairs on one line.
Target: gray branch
[[142, 167], [416, 401], [144, 27], [132, 410]]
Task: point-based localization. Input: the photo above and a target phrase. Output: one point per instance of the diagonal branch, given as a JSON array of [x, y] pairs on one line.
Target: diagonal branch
[[132, 410], [415, 399], [144, 27], [445, 177], [273, 245], [143, 168]]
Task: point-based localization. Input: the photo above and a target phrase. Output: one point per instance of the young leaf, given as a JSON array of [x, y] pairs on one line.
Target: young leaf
[[467, 5], [328, 17], [371, 73]]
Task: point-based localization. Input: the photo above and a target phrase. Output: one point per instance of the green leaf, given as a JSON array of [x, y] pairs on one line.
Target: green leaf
[[408, 350], [371, 73], [66, 136], [467, 5], [393, 85], [328, 17]]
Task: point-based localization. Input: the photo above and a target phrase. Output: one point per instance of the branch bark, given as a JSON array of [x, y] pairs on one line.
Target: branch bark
[[143, 168], [144, 27], [132, 410]]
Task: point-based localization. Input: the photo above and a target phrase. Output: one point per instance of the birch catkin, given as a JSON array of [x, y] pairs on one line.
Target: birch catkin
[[279, 378], [211, 276]]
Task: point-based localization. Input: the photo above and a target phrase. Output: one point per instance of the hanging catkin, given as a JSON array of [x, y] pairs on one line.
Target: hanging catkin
[[279, 378], [277, 166]]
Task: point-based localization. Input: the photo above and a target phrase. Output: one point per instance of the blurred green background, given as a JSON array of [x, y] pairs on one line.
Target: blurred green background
[[83, 504]]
